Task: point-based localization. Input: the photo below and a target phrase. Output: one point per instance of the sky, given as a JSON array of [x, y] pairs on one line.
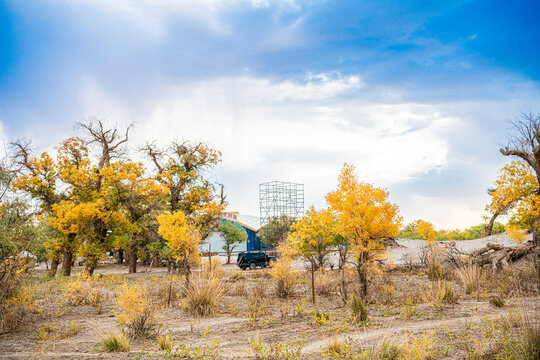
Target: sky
[[418, 95]]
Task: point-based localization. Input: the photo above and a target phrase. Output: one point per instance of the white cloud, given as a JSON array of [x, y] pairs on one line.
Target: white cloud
[[288, 130]]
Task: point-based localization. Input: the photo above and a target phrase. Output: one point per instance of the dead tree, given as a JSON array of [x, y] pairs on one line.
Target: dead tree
[[525, 144]]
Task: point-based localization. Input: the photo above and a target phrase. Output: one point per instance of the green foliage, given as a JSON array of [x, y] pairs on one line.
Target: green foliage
[[276, 231], [114, 343], [474, 232], [234, 234]]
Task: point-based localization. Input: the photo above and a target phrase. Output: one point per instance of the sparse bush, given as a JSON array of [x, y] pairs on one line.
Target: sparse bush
[[291, 350], [445, 293], [321, 318], [114, 343], [256, 309], [14, 310], [497, 301], [420, 347], [135, 311], [469, 275], [81, 292], [202, 295], [358, 309], [285, 279], [165, 342]]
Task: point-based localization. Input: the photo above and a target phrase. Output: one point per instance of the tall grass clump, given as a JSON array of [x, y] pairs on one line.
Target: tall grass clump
[[112, 342], [531, 338], [435, 267], [469, 275], [135, 311], [358, 309], [445, 293], [203, 294]]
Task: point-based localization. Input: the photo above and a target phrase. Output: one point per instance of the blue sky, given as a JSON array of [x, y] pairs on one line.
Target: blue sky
[[416, 94]]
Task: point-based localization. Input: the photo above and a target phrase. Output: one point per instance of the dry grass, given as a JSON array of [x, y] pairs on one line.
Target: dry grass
[[469, 275], [358, 309], [202, 295], [497, 301], [113, 342]]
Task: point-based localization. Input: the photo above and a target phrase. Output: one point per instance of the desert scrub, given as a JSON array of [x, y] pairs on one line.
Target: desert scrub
[[285, 279], [420, 347], [135, 311], [203, 295], [497, 301], [81, 292], [291, 350], [14, 310], [445, 293], [469, 276], [435, 267], [114, 342]]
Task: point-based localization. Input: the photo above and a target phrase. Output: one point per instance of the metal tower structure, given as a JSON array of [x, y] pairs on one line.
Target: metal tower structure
[[280, 199]]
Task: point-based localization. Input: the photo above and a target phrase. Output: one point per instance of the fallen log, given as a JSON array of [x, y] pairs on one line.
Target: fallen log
[[499, 256]]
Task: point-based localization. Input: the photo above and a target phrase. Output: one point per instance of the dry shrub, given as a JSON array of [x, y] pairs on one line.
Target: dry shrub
[[160, 292], [135, 311], [420, 347], [237, 276], [239, 289], [81, 292], [531, 337], [258, 289], [435, 267], [214, 268], [469, 275], [112, 342], [14, 310], [203, 294], [326, 284], [285, 279], [497, 301], [257, 308], [445, 293], [165, 342]]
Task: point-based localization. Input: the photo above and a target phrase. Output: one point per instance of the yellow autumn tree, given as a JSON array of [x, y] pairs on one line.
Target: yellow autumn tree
[[514, 192], [132, 196], [313, 235], [182, 237], [181, 169], [365, 218], [427, 231]]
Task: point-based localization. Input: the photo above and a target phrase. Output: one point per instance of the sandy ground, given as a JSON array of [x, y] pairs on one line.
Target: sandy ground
[[279, 324]]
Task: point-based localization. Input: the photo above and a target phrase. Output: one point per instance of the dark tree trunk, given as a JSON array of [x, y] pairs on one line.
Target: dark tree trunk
[[489, 227], [120, 256], [133, 248], [362, 278], [54, 268], [67, 261], [89, 268]]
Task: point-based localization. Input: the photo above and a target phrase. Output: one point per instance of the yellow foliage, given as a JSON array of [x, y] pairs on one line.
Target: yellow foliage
[[312, 234], [364, 215], [515, 188], [135, 311], [181, 236], [285, 277], [427, 231], [514, 232], [72, 218]]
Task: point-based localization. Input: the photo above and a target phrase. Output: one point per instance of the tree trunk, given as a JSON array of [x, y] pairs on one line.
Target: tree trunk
[[120, 256], [132, 258], [489, 227], [67, 261], [89, 268], [54, 268], [362, 277]]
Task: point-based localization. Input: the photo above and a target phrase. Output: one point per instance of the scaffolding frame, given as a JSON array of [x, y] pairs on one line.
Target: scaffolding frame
[[280, 200]]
